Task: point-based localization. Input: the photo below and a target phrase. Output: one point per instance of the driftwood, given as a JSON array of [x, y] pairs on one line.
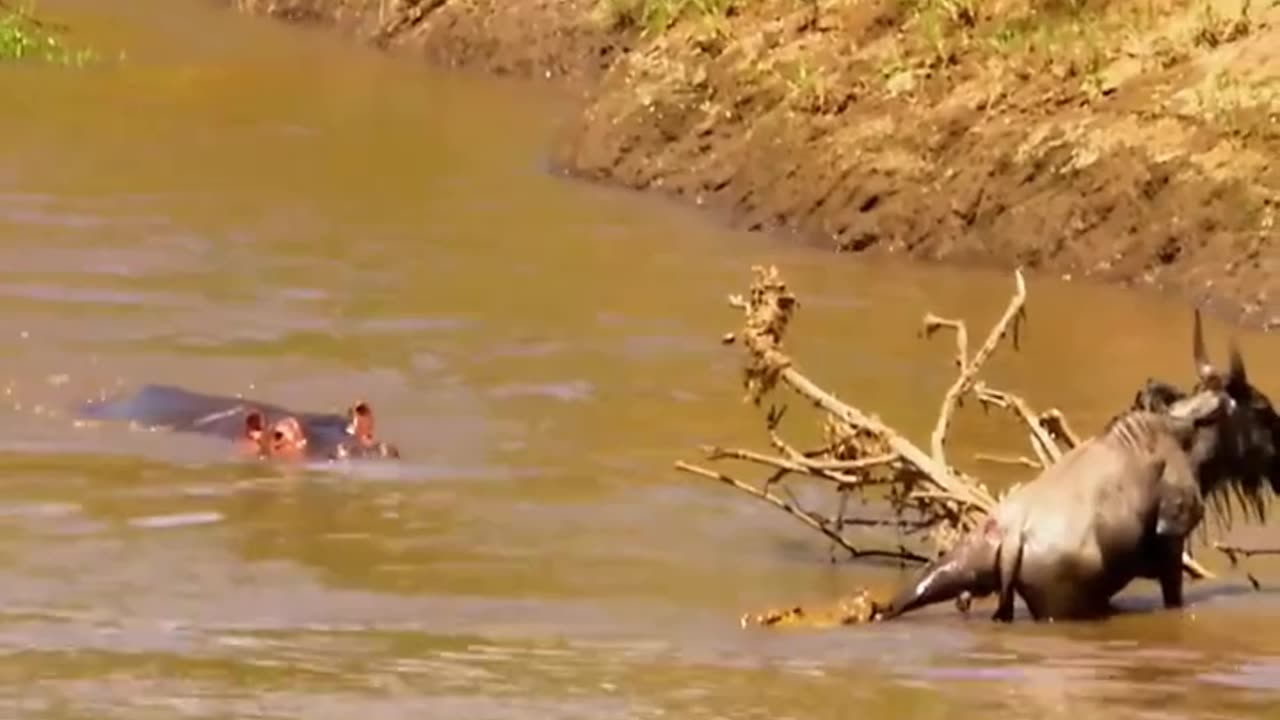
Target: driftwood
[[924, 499], [864, 459]]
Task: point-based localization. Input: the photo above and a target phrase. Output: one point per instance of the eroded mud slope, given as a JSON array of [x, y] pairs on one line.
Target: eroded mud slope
[[1131, 142]]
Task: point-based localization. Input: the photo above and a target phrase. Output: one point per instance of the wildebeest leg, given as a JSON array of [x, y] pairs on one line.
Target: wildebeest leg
[[1010, 569], [1179, 506], [1171, 572], [1180, 509]]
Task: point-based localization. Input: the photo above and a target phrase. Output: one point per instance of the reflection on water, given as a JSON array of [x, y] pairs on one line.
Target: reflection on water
[[242, 207]]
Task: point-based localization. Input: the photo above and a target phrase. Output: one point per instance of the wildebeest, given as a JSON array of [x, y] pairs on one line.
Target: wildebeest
[[1117, 507]]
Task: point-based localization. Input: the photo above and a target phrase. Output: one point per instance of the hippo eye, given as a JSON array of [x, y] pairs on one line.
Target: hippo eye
[[279, 435]]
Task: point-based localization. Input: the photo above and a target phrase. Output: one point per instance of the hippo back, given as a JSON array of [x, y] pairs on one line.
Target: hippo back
[[175, 408]]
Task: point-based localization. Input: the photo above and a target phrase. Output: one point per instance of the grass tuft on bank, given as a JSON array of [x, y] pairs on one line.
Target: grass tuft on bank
[[652, 17], [25, 37]]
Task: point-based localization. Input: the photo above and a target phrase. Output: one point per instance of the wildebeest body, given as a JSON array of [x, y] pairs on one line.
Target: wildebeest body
[[1072, 538]]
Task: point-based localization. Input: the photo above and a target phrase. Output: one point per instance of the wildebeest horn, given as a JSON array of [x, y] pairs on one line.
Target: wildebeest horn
[[1204, 368]]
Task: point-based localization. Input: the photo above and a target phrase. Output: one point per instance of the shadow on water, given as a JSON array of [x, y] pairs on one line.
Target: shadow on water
[[246, 208]]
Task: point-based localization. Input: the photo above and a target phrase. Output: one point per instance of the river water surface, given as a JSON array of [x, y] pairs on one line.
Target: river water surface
[[238, 206]]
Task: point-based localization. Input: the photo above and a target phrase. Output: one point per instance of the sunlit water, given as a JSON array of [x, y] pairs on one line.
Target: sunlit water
[[239, 206]]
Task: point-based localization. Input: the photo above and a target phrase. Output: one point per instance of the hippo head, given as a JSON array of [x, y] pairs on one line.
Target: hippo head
[[284, 438]]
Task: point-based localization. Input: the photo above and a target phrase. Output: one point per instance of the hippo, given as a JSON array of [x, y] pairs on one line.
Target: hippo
[[258, 429]]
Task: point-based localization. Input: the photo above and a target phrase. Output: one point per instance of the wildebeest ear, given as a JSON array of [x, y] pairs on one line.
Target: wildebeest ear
[[254, 424], [360, 420], [1156, 396], [1237, 379]]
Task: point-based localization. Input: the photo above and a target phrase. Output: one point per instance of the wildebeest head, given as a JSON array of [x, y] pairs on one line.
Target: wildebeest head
[[1238, 452]]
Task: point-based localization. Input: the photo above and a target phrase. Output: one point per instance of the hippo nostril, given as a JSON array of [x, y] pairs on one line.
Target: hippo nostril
[[279, 436]]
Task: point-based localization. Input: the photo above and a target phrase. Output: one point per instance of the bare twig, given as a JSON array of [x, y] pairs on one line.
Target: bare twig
[[969, 367], [796, 465], [859, 464], [1235, 552], [1042, 440], [886, 522], [1044, 454], [795, 511], [1056, 423], [1021, 460], [1194, 569], [971, 494]]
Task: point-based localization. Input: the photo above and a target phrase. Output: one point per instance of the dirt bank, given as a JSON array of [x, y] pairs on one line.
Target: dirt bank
[[1126, 143]]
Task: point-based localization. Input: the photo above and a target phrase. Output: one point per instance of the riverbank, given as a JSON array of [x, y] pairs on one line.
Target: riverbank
[[1125, 144], [25, 37]]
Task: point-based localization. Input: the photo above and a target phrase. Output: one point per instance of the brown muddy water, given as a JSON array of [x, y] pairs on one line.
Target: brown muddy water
[[244, 207]]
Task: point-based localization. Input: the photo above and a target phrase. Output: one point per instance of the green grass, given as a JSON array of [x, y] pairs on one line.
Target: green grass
[[655, 16], [23, 37]]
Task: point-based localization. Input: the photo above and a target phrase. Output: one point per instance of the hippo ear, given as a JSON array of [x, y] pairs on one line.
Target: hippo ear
[[1204, 368], [360, 420], [254, 424]]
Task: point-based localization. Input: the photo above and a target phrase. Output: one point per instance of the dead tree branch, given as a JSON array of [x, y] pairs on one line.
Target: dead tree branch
[[804, 516], [863, 455], [1235, 552], [1019, 460], [969, 367], [864, 458], [1043, 440]]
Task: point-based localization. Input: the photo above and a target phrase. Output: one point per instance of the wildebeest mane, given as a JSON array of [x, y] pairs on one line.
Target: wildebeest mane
[[1244, 469]]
